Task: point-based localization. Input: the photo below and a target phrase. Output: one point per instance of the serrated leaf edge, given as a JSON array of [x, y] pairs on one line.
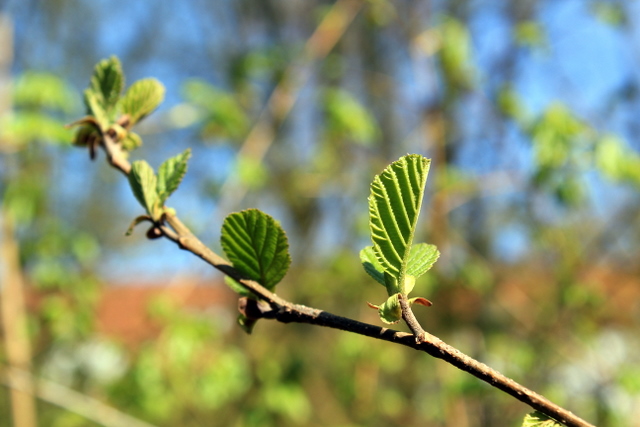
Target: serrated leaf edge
[[380, 234]]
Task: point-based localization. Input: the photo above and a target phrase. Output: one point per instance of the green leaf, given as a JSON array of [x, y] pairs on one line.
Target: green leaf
[[143, 182], [104, 90], [96, 108], [394, 206], [171, 173], [141, 99], [257, 246], [107, 82], [131, 141], [237, 287], [371, 265], [390, 311], [421, 259], [538, 419]]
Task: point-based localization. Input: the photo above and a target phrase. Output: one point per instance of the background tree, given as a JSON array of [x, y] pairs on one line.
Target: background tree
[[534, 170]]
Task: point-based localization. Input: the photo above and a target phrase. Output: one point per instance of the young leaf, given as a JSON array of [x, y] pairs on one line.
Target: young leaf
[[371, 264], [141, 99], [171, 173], [107, 82], [421, 259], [96, 108], [390, 311], [538, 419], [257, 246], [143, 182], [394, 205], [104, 90], [131, 141]]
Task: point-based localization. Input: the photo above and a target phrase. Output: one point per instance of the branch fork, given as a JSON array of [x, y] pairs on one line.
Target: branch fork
[[271, 306]]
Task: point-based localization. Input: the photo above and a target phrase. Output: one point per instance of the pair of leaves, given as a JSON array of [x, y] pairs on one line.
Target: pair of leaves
[[421, 258], [152, 191], [258, 248], [394, 206]]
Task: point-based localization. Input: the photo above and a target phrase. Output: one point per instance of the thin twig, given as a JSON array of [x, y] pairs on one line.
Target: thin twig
[[286, 312]]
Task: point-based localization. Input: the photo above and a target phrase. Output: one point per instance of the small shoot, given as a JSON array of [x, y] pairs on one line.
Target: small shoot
[[393, 260], [258, 248], [110, 113], [151, 190]]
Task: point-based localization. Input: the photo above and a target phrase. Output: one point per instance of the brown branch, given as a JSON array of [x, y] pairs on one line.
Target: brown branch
[[286, 312]]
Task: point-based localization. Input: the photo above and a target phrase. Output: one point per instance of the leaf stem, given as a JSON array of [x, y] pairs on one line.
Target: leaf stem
[[286, 312]]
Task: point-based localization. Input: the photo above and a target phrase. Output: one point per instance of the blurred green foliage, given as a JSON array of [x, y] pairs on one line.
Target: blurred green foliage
[[562, 319]]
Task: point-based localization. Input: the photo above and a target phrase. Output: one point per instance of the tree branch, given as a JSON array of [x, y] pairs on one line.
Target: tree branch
[[286, 312]]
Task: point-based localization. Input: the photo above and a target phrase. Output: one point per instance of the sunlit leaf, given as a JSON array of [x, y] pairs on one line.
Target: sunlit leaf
[[538, 419], [421, 259], [104, 90], [257, 246], [143, 183], [394, 206], [107, 82], [141, 99], [171, 173]]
